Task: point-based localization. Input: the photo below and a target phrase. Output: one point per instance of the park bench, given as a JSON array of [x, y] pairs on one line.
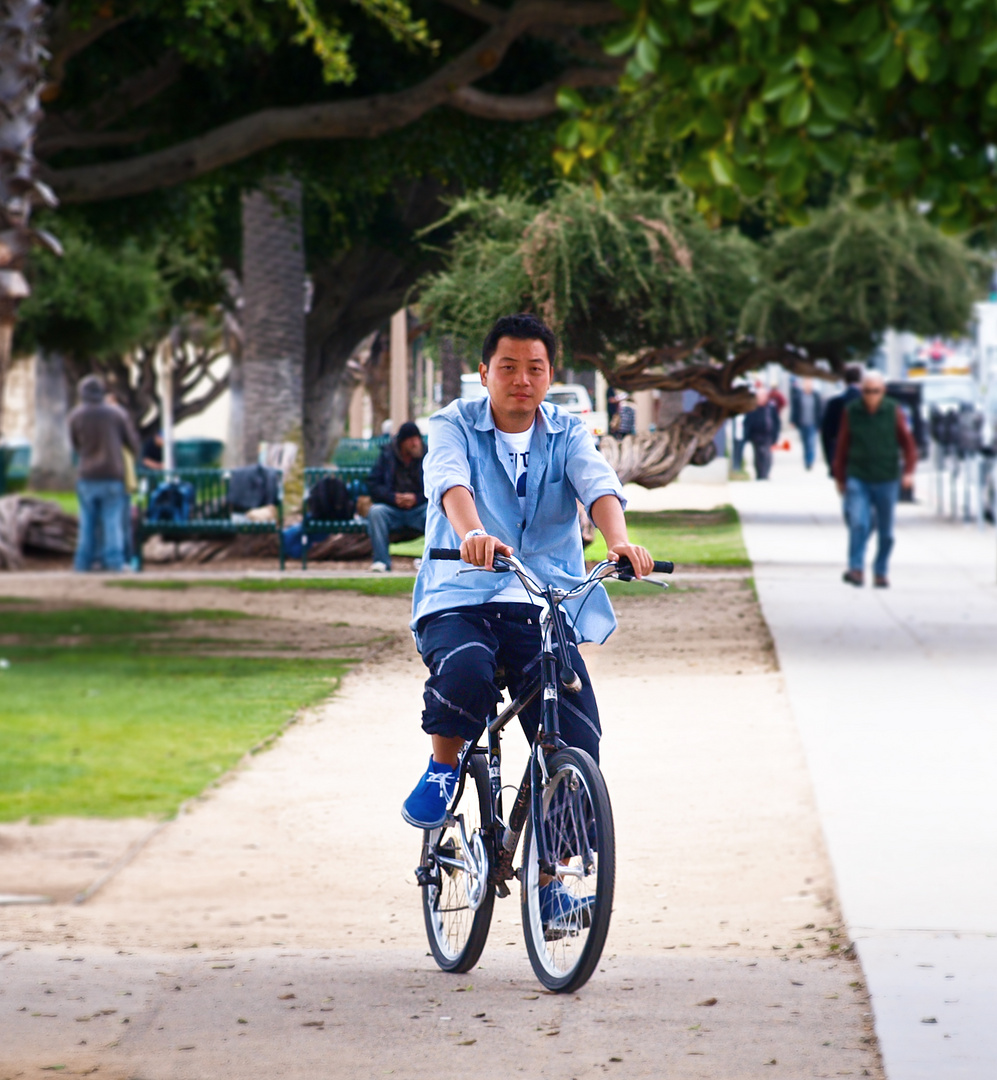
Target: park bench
[[210, 514]]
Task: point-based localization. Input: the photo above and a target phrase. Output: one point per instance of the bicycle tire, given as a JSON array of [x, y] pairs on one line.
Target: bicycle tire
[[456, 930], [565, 952]]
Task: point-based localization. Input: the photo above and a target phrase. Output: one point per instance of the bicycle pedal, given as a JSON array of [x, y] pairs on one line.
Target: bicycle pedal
[[501, 889], [425, 875]]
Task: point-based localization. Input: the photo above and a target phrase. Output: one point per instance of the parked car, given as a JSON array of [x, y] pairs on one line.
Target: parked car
[[575, 398], [470, 387]]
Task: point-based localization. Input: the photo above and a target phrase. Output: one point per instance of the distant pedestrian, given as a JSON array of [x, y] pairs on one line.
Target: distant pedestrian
[[99, 432], [805, 410], [761, 429], [624, 421], [873, 435], [833, 412], [396, 487]]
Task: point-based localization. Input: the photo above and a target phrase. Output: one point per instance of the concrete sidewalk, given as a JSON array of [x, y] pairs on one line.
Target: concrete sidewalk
[[895, 696]]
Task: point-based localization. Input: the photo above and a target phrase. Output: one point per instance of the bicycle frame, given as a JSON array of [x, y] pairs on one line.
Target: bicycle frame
[[505, 836]]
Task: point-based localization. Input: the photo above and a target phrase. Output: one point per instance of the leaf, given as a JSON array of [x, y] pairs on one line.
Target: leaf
[[807, 21], [567, 159], [648, 54], [622, 39], [779, 86], [721, 168], [569, 133], [892, 70], [609, 163], [570, 100], [836, 101], [988, 46], [782, 150], [795, 109], [791, 179], [750, 183], [467, 1042], [876, 48], [917, 64], [831, 157], [702, 8], [708, 1001], [991, 98], [656, 32]]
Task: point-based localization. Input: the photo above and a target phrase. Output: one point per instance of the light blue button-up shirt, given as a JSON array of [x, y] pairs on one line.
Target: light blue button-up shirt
[[565, 465]]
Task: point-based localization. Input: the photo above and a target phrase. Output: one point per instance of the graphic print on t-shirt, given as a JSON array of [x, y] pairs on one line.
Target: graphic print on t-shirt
[[514, 449]]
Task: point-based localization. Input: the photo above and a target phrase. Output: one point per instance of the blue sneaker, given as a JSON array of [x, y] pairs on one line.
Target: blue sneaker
[[426, 807], [560, 909]]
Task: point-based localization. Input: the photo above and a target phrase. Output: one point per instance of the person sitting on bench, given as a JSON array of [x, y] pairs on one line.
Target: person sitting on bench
[[396, 490]]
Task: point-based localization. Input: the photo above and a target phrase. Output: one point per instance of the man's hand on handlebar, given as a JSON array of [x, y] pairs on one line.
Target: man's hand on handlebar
[[479, 550], [640, 557]]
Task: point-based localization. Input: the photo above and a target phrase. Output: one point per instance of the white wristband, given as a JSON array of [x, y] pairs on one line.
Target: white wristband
[[475, 532]]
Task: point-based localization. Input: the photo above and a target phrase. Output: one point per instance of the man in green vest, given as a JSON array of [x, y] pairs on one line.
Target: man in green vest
[[873, 435]]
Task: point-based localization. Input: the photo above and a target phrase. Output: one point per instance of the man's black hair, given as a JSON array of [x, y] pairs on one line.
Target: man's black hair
[[853, 374], [522, 327]]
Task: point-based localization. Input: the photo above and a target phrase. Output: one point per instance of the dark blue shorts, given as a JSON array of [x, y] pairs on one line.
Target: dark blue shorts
[[464, 647]]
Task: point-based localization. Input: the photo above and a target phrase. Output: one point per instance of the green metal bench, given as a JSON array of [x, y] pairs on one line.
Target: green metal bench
[[355, 479], [211, 513], [356, 452]]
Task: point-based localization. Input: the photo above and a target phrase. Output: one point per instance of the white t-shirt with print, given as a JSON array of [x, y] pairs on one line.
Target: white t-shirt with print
[[513, 449]]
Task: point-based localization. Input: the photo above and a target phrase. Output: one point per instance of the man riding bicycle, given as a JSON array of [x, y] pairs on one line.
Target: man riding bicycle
[[502, 474]]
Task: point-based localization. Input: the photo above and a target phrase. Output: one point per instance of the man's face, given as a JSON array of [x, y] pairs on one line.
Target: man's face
[[411, 447], [872, 395], [518, 377]]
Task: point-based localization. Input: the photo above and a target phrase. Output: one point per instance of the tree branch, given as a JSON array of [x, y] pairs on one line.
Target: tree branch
[[535, 104], [476, 9], [89, 140], [357, 118]]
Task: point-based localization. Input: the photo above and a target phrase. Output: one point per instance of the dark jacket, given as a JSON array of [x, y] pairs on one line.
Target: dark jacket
[[762, 425], [98, 432], [831, 424], [796, 407], [391, 476], [870, 444]]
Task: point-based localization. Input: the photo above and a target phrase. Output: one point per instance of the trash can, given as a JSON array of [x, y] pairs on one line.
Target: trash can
[[198, 453], [15, 465]]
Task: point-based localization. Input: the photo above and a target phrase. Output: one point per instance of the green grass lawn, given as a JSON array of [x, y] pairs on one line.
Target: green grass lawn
[[374, 585], [66, 499], [687, 537], [99, 718]]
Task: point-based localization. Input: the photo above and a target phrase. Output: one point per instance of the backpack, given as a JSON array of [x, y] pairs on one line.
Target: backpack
[[171, 503], [330, 500]]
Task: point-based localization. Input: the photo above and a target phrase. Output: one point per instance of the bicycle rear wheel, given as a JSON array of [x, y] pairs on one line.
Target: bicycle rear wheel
[[565, 941], [458, 903]]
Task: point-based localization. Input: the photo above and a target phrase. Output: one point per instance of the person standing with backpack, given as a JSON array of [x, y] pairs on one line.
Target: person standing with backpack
[[396, 491]]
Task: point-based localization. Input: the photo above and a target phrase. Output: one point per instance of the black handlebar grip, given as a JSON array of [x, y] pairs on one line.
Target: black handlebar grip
[[445, 553], [663, 567]]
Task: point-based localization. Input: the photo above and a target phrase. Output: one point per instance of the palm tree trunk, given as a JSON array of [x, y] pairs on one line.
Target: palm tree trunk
[[51, 453], [20, 84], [273, 279]]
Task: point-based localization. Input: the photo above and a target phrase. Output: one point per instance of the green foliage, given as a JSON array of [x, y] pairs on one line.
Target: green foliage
[[629, 271], [764, 100], [615, 273], [841, 280], [112, 726], [94, 301]]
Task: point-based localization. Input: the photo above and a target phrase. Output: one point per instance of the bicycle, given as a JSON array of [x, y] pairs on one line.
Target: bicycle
[[561, 813]]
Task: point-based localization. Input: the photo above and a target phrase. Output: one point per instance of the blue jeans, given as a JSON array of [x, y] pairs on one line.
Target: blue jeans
[[100, 501], [861, 500], [384, 520], [808, 436]]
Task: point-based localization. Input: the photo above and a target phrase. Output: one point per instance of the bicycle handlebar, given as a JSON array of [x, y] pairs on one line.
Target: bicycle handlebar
[[660, 566]]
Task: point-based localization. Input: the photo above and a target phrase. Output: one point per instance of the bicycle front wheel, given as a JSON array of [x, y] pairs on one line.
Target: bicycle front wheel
[[566, 918], [458, 902]]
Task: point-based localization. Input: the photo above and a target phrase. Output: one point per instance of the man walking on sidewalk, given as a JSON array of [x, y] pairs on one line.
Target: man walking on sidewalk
[[873, 434]]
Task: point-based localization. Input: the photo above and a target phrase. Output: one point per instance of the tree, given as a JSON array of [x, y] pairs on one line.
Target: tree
[[639, 287], [765, 103], [20, 85]]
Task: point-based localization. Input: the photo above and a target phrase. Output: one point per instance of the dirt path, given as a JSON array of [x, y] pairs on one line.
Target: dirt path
[[723, 883]]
